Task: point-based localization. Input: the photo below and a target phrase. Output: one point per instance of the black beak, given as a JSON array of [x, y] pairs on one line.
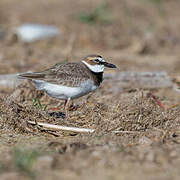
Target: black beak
[[109, 65]]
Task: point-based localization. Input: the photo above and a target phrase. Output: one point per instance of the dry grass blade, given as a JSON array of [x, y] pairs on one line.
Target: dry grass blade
[[126, 132], [63, 128]]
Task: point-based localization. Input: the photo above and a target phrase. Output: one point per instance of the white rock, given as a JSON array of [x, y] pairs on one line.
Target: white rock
[[32, 32]]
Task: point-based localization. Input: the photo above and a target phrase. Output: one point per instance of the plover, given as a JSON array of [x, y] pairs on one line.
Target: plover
[[70, 80]]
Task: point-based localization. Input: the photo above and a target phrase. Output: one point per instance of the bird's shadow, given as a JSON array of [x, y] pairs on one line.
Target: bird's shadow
[[57, 114]]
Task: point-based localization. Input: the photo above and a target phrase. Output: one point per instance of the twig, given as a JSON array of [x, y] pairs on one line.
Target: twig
[[150, 80], [173, 106], [64, 128], [158, 102], [70, 46], [128, 132]]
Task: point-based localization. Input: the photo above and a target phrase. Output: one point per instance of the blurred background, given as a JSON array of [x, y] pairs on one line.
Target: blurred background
[[135, 115], [138, 35]]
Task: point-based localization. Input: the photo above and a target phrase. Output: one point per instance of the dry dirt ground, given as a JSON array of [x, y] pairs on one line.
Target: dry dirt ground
[[137, 36]]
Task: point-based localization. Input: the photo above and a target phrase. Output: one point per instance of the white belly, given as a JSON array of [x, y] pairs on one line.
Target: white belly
[[64, 92]]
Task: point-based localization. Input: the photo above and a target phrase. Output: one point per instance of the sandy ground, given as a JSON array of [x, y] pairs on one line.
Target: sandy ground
[[134, 136]]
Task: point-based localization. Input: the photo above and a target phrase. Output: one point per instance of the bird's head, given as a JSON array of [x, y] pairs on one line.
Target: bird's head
[[96, 63]]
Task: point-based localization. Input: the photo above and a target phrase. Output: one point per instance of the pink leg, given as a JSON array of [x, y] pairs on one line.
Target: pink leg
[[66, 107]]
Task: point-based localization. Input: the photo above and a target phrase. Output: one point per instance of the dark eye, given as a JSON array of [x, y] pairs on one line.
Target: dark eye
[[97, 60]]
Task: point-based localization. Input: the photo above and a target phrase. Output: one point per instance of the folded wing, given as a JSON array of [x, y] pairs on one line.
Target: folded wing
[[69, 74]]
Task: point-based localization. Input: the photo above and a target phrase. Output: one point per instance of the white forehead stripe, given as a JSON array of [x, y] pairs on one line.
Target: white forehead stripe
[[101, 59], [95, 68]]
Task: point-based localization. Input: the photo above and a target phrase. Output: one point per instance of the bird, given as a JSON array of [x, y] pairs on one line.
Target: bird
[[70, 80]]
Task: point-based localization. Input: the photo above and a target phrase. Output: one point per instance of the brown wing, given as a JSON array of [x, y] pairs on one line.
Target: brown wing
[[69, 74]]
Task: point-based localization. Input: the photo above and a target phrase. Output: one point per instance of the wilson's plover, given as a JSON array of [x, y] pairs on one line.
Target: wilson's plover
[[70, 80]]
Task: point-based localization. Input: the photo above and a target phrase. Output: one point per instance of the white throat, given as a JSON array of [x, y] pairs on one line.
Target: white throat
[[95, 68]]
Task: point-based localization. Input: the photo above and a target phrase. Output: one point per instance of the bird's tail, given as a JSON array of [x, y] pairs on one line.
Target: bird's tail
[[34, 75]]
